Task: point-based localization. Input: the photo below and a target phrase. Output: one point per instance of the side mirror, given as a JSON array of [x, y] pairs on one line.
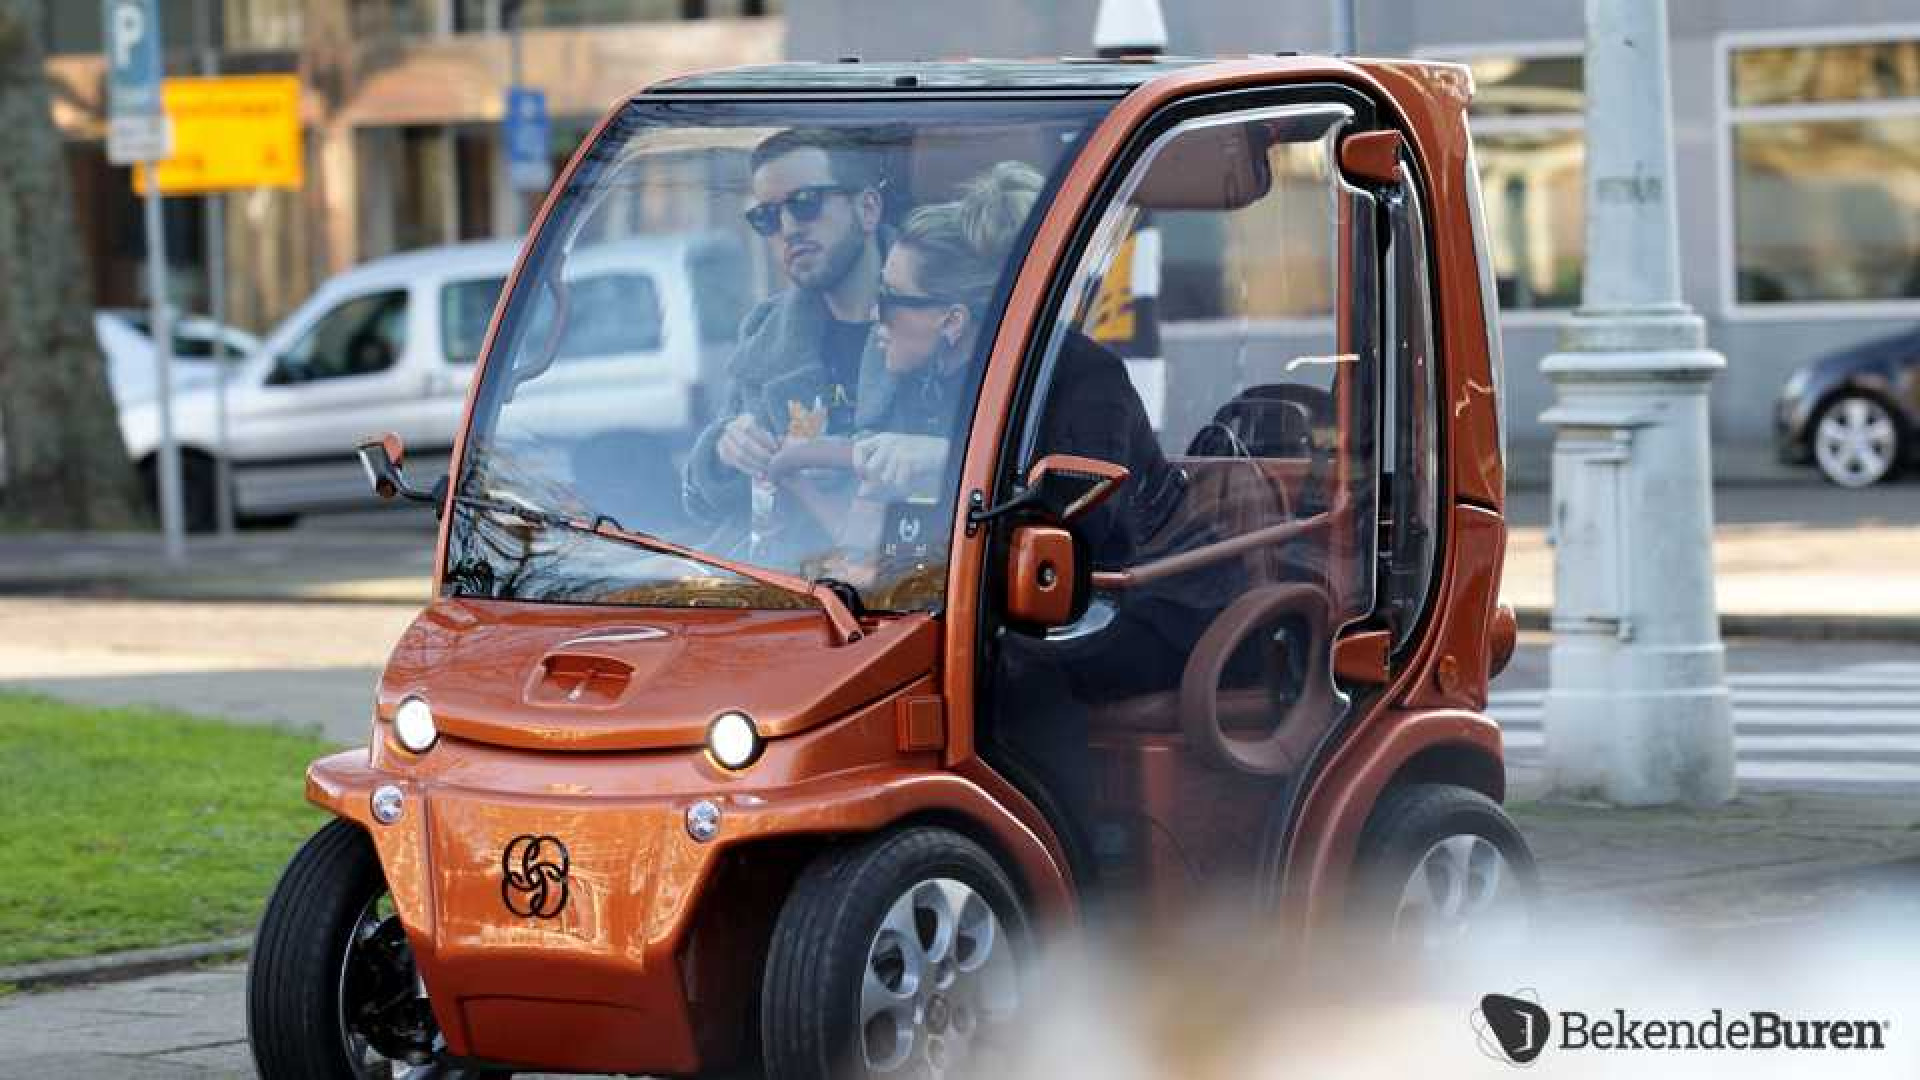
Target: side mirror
[[381, 459], [1067, 486], [1047, 583]]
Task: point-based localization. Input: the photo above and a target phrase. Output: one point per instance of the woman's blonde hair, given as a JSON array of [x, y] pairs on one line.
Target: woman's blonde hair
[[964, 243]]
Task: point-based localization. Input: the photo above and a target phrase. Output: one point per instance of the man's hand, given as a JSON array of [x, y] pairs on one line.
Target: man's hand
[[901, 464], [745, 445]]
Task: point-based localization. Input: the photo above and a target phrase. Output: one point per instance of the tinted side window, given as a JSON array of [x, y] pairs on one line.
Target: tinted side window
[[465, 308], [361, 336]]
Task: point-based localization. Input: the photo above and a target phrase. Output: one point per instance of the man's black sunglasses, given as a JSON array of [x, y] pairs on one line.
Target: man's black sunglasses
[[888, 302], [804, 204]]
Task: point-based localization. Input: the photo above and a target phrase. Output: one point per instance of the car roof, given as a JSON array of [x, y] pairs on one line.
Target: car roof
[[853, 76]]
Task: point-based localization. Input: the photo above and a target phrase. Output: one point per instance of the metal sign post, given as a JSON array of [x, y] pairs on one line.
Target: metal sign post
[[227, 133], [528, 139], [137, 135]]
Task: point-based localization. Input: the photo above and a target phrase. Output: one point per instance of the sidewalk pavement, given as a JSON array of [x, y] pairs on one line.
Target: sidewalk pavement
[[1795, 561], [1766, 871]]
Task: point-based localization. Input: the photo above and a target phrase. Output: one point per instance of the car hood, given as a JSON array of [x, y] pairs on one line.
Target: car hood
[[573, 677]]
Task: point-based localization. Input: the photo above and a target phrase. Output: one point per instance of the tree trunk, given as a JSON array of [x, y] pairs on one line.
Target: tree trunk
[[66, 466]]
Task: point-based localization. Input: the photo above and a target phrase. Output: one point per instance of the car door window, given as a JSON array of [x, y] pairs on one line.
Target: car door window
[[362, 336], [466, 307], [1217, 339]]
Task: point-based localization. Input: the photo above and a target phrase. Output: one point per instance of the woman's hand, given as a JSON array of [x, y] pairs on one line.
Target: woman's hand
[[900, 464], [745, 445]]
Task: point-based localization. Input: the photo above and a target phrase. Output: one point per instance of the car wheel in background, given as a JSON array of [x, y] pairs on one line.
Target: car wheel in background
[[197, 497], [1856, 441]]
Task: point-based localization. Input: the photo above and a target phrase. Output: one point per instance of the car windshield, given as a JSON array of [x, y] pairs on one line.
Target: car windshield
[[755, 330]]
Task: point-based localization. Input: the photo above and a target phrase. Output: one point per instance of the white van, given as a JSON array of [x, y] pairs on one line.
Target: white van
[[390, 346]]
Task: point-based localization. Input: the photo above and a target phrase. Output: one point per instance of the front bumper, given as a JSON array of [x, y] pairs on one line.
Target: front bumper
[[592, 982], [639, 970]]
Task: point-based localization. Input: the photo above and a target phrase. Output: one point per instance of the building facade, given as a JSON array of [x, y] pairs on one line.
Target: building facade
[[401, 108], [1797, 150]]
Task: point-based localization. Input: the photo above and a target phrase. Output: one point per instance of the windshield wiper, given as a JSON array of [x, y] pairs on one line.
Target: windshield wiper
[[836, 599]]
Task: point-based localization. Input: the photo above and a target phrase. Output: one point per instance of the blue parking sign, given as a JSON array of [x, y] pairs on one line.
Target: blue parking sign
[[528, 139], [136, 120]]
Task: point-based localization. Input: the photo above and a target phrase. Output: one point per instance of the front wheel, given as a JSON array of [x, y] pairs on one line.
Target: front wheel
[[332, 993], [1442, 868], [1856, 441], [902, 956]]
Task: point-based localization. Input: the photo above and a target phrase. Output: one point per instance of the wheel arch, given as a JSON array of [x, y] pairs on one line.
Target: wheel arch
[[1459, 762], [1859, 384], [1401, 746]]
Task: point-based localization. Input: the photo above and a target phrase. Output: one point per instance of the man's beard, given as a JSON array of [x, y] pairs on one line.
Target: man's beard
[[832, 264]]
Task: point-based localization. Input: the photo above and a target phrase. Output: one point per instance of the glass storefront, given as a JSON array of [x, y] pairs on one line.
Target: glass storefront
[[1826, 173], [1530, 143]]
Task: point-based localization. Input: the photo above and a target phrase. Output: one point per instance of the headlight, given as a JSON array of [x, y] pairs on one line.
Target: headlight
[[1796, 385], [413, 723], [733, 741]]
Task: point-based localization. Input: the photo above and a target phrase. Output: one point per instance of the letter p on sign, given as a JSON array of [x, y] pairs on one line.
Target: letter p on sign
[[129, 26]]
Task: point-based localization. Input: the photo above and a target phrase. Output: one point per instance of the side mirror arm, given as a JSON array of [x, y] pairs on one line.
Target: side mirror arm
[[381, 459]]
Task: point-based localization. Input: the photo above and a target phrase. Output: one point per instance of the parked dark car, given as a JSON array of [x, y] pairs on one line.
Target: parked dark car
[[1854, 414]]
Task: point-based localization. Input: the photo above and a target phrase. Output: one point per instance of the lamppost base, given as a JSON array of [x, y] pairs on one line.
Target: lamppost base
[[1638, 712]]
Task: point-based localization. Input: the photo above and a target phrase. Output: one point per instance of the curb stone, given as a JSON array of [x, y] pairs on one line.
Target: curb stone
[[113, 967], [1782, 627]]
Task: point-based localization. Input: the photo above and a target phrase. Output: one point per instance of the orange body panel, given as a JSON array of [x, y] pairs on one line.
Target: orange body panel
[[590, 722]]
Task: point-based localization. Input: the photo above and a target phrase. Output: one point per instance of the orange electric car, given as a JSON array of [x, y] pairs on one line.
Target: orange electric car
[[1091, 496]]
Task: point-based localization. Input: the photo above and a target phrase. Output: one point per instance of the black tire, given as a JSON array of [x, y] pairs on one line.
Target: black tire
[[1407, 825], [293, 976], [198, 477], [810, 999], [268, 521]]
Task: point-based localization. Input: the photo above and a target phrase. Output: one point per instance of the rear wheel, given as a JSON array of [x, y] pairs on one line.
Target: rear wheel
[[332, 993], [902, 956], [198, 477], [1443, 867], [1856, 441]]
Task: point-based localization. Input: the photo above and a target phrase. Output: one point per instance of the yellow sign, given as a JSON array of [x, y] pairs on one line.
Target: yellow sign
[[230, 132]]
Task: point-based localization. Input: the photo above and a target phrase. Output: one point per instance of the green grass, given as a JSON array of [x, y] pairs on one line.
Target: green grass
[[131, 828]]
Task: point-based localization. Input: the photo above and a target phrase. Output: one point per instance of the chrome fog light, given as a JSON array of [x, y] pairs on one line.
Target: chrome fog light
[[413, 723], [388, 804], [703, 820], [733, 741]]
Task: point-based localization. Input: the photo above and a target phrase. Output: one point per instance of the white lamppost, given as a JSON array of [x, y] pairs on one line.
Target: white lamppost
[[1638, 712]]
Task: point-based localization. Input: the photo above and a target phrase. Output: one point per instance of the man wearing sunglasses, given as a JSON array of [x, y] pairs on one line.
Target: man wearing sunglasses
[[797, 370]]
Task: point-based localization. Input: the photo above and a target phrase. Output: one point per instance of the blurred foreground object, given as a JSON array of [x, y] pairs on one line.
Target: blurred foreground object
[[1638, 713], [65, 465]]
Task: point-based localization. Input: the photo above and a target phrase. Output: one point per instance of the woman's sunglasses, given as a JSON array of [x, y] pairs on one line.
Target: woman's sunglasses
[[888, 302], [804, 205]]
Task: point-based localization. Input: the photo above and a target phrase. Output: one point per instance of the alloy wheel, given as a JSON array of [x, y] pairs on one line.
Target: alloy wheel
[[939, 977], [1460, 888], [1855, 442]]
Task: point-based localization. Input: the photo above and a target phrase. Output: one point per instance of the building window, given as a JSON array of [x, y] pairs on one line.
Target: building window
[[483, 16], [1825, 145], [1530, 142]]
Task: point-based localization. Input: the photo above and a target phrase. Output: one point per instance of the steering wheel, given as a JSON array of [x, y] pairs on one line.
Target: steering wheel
[[1301, 722]]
